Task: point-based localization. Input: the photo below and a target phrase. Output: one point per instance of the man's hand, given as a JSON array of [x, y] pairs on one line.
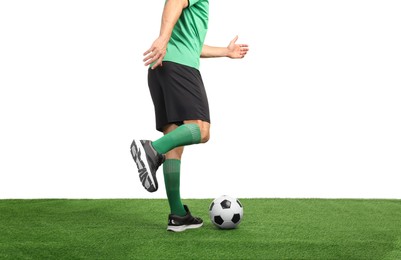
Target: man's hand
[[237, 51], [156, 53]]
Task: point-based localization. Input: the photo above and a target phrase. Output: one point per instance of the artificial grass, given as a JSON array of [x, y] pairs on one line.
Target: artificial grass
[[136, 229]]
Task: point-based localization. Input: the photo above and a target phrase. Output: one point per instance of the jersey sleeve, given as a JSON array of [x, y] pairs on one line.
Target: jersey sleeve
[[192, 2]]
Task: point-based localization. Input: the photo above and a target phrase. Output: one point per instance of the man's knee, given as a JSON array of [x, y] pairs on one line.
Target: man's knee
[[205, 136], [205, 131]]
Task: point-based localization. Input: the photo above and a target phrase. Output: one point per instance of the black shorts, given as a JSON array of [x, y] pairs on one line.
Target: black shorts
[[178, 94]]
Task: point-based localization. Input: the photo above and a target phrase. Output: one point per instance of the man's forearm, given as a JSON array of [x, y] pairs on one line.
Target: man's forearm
[[171, 12], [213, 52]]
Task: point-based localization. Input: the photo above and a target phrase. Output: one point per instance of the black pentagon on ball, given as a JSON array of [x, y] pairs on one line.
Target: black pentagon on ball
[[211, 206], [225, 204], [239, 203], [219, 220], [236, 218]]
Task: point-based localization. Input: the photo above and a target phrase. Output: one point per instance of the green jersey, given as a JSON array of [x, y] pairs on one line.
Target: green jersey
[[186, 41]]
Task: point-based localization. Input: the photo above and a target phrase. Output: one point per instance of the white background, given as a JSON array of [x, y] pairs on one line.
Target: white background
[[313, 111]]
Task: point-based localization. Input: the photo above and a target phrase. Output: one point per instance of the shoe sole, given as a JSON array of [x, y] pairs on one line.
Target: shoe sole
[[183, 227], [143, 167]]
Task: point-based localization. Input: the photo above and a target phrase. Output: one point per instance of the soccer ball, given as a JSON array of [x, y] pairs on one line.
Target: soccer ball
[[226, 212]]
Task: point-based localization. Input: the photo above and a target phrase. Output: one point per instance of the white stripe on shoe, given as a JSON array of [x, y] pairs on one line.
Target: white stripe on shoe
[[141, 158], [183, 227]]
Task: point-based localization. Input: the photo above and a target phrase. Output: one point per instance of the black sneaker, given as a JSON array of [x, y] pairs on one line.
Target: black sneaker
[[147, 168], [179, 223]]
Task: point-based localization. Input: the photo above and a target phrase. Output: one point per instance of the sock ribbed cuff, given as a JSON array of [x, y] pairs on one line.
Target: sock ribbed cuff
[[195, 132], [186, 134], [171, 165]]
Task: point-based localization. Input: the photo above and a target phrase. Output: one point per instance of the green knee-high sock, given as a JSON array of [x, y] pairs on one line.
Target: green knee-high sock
[[183, 135], [171, 170]]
